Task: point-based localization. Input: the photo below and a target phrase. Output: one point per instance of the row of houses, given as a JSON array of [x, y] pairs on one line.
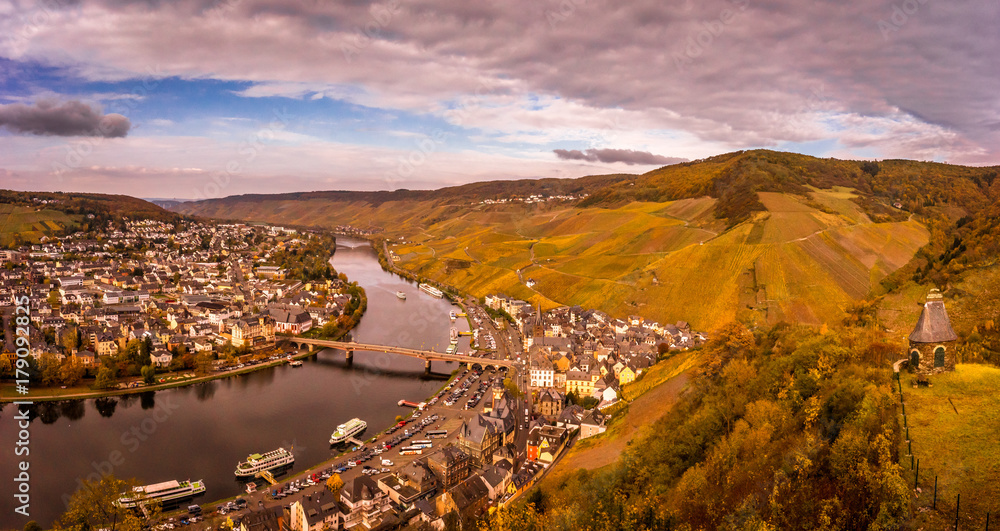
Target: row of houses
[[587, 353]]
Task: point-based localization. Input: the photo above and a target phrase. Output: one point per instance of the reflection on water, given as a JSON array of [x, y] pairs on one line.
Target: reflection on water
[[203, 431], [205, 391], [106, 406]]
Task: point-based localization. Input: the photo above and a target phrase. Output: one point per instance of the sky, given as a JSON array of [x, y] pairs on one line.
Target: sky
[[197, 99]]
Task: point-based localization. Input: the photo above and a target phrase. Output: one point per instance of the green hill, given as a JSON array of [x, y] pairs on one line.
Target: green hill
[[758, 235], [22, 224], [27, 216]]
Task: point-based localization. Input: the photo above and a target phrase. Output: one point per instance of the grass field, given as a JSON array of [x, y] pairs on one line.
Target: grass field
[[955, 430]]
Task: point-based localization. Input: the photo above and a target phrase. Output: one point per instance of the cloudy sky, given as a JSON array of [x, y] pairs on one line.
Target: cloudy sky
[[206, 98]]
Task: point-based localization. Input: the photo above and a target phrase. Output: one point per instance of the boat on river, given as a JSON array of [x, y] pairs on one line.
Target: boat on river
[[257, 463], [431, 290], [347, 430], [161, 492]]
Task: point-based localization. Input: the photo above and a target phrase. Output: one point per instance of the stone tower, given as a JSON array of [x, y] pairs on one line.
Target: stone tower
[[932, 340]]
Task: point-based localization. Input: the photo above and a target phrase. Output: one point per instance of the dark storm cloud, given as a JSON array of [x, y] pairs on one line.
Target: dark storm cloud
[[608, 156], [70, 118]]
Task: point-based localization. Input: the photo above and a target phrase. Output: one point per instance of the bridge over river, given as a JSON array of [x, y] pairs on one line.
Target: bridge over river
[[427, 355]]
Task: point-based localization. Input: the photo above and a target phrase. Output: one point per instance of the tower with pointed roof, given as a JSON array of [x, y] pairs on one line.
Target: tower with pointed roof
[[932, 340]]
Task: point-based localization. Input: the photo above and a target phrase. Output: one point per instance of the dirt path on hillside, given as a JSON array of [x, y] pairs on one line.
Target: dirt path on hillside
[[642, 413]]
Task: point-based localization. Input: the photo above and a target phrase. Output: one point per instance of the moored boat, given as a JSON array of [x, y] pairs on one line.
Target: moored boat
[[257, 463], [161, 492], [401, 295], [347, 430], [431, 290]]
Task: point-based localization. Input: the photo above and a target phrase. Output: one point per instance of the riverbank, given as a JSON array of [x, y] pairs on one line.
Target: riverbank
[[8, 392], [212, 522]]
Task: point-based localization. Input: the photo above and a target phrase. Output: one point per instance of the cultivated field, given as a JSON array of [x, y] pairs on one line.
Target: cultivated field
[[804, 260], [29, 224]]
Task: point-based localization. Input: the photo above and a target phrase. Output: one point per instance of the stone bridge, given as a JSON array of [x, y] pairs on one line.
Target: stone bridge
[[427, 355]]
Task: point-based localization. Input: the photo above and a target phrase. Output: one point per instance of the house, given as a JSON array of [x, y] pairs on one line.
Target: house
[[542, 371], [571, 417], [427, 514], [932, 342], [86, 358], [291, 321], [268, 519], [415, 481], [549, 403], [545, 443], [104, 343], [450, 465], [593, 423], [496, 477], [466, 499], [251, 331], [580, 382], [524, 477], [364, 502], [161, 358], [316, 512], [479, 438]]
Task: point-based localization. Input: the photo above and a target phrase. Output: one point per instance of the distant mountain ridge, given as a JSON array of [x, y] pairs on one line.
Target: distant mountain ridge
[[471, 191]]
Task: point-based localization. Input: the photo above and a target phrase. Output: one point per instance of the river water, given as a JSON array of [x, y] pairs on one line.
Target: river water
[[203, 431]]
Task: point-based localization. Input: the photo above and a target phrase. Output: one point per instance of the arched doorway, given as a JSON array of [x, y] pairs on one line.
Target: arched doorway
[[939, 356], [914, 359]]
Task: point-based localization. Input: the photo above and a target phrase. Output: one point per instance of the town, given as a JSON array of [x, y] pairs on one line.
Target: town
[[152, 297], [151, 303]]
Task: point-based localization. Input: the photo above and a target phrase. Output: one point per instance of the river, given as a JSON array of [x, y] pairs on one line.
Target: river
[[202, 431]]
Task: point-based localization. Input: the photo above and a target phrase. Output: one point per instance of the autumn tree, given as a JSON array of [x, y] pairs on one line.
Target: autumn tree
[[732, 340], [105, 378], [149, 374], [49, 366], [335, 483], [203, 363], [71, 371], [70, 339], [93, 507]]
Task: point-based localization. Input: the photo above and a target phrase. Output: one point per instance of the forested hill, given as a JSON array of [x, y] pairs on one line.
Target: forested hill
[[26, 217], [74, 203], [736, 178]]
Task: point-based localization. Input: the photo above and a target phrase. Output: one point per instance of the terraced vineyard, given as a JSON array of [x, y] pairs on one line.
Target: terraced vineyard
[[29, 225], [761, 236], [663, 260], [668, 261]]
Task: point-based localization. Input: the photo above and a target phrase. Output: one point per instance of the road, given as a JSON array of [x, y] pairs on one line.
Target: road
[[508, 347]]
